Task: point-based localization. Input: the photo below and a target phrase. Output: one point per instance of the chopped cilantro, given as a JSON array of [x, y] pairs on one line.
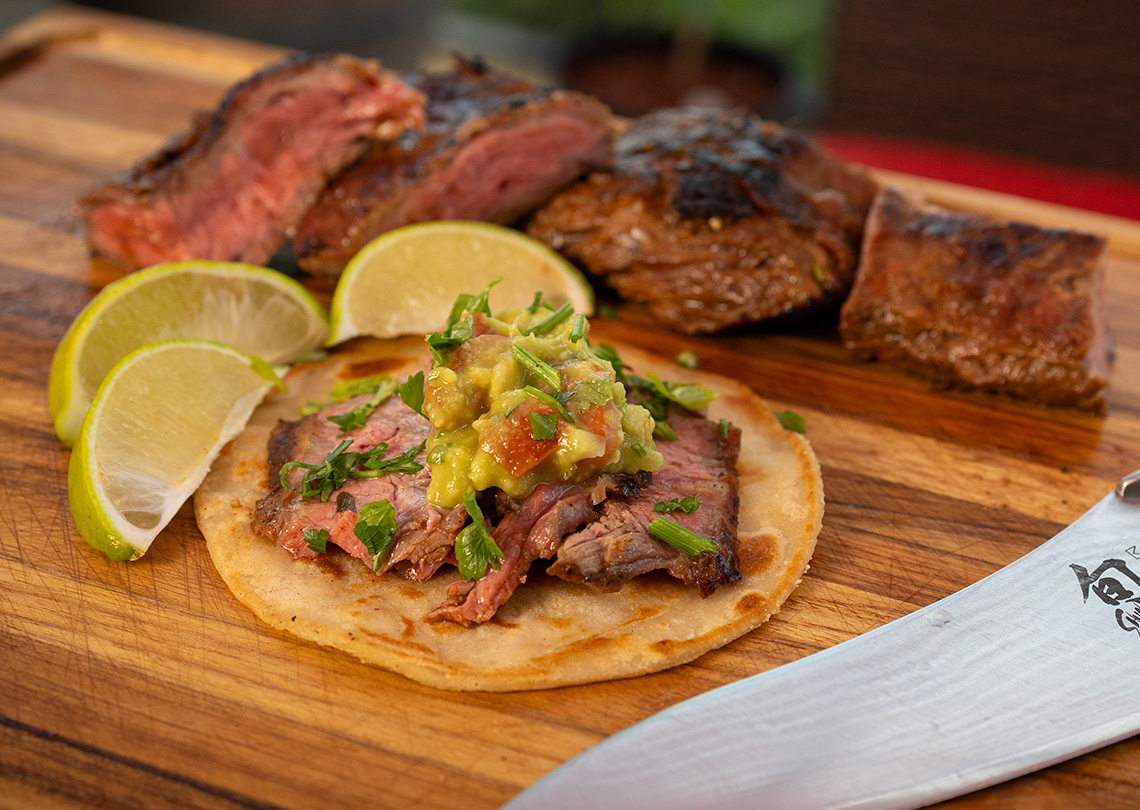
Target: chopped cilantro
[[321, 479], [376, 528], [791, 420], [375, 464], [687, 359], [687, 504], [543, 426], [316, 539], [340, 465], [552, 401], [475, 548], [411, 391], [347, 389], [693, 396], [359, 415]]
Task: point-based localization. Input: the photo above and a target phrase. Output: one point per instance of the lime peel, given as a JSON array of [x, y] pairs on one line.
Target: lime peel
[[403, 282], [136, 461], [256, 309]]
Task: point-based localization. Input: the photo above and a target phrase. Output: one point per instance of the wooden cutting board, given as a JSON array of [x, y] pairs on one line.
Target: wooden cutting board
[[148, 685]]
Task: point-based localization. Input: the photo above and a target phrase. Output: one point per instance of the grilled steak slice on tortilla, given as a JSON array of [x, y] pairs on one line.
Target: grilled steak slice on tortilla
[[967, 300], [493, 148], [617, 546], [714, 219], [531, 530], [425, 533], [550, 632], [698, 462], [233, 186]]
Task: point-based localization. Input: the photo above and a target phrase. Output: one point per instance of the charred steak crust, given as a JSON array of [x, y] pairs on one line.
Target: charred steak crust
[[715, 219], [493, 148], [241, 177], [969, 301]]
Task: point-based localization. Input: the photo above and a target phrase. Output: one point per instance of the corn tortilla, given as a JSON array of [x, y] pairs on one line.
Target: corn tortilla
[[550, 632]]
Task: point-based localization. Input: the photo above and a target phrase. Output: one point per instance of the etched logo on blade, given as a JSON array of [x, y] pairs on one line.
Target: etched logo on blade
[[1117, 586]]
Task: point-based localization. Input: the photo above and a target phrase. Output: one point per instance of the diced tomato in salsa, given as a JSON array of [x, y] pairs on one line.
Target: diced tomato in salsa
[[513, 446], [605, 421]]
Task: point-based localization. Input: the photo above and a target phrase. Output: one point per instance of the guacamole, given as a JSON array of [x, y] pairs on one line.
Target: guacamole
[[521, 398]]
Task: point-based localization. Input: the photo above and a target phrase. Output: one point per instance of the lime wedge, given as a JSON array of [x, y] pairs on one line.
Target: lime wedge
[[154, 427], [256, 309], [404, 282]]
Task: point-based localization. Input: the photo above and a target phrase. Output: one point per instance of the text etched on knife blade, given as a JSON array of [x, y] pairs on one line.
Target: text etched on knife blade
[[1117, 586]]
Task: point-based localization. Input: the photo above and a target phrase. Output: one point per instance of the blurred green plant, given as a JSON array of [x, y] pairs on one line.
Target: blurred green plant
[[795, 33]]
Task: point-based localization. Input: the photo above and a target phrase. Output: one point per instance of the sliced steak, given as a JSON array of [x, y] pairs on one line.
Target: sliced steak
[[425, 533], [492, 149], [528, 531], [715, 219], [233, 186], [966, 300], [618, 546]]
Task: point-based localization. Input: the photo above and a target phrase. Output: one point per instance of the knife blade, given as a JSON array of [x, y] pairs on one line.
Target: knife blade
[[1030, 666]]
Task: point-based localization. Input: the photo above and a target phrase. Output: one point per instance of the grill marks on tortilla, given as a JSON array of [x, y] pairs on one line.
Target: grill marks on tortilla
[[596, 532], [240, 179]]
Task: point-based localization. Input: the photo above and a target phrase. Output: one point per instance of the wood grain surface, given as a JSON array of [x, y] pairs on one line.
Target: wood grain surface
[[147, 685]]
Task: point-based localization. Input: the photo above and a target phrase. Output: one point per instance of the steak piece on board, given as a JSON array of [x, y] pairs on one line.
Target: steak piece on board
[[493, 148], [235, 184], [715, 219], [965, 300]]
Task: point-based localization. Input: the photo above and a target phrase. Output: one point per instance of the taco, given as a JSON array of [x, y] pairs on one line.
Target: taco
[[531, 567]]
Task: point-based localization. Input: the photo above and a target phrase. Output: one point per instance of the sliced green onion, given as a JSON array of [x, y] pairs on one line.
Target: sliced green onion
[[539, 368], [550, 322], [679, 537], [580, 328]]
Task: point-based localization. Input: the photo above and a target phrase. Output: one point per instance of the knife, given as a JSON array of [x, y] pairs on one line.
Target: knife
[[1032, 665]]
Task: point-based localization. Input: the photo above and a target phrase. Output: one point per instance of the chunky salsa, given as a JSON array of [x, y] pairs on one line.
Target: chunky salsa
[[521, 398]]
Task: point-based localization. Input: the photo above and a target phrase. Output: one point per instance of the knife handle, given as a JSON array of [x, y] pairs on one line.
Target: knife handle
[[1129, 486]]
